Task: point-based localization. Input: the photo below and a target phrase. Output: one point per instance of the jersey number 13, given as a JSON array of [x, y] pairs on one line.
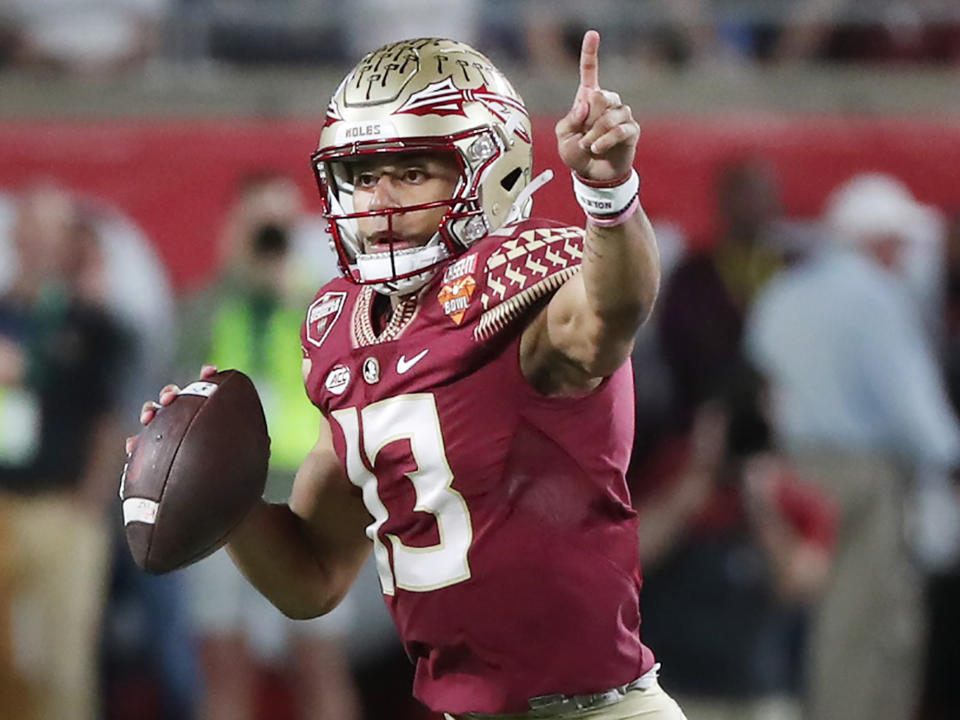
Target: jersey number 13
[[414, 418]]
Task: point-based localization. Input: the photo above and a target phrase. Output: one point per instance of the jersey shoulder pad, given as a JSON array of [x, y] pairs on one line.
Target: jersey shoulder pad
[[524, 263]]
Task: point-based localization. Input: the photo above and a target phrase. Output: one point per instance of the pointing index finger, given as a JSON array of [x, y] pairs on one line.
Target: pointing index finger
[[589, 62]]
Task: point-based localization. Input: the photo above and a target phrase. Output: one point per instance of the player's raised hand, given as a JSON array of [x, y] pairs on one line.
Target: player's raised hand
[[598, 138]]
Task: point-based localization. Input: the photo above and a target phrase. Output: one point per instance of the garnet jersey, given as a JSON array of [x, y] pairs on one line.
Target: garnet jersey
[[503, 533]]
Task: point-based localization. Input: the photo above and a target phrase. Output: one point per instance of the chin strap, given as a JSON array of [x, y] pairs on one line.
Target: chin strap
[[523, 205], [401, 262]]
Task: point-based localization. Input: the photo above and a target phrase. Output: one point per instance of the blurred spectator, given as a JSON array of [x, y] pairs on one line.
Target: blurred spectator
[[733, 547], [147, 650], [150, 668], [60, 457], [806, 28], [149, 657], [89, 37], [552, 32], [372, 23], [318, 31], [97, 36], [862, 408], [705, 31], [260, 32], [713, 33], [870, 31], [8, 39], [696, 33], [250, 320], [651, 377], [702, 308]]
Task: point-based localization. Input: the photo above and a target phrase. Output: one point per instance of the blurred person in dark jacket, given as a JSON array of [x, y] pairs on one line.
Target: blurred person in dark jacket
[[60, 457], [735, 546], [701, 315]]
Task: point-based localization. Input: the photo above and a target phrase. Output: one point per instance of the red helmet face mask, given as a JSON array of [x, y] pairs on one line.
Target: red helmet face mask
[[423, 97]]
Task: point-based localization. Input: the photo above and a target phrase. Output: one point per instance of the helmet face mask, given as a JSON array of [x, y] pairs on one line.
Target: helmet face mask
[[423, 96]]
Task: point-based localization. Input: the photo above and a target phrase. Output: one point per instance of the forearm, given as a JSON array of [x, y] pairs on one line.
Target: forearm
[[621, 271], [305, 556], [592, 319], [271, 547], [588, 328]]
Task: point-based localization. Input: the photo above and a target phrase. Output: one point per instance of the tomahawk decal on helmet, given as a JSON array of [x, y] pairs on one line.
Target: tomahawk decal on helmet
[[445, 98], [439, 98], [333, 115], [424, 96]]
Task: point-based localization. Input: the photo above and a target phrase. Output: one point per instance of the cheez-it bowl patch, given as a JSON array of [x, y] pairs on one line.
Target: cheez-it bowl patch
[[455, 297]]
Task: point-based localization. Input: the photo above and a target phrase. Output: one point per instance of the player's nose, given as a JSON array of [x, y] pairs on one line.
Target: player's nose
[[384, 193]]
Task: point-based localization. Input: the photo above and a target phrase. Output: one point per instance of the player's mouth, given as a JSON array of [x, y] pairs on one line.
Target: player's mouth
[[382, 242]]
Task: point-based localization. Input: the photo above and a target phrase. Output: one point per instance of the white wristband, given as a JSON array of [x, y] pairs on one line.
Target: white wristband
[[601, 202]]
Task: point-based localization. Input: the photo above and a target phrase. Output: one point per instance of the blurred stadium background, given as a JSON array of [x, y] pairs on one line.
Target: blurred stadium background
[[152, 111]]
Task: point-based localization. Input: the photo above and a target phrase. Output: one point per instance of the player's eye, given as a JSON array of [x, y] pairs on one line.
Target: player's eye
[[414, 175], [365, 180]]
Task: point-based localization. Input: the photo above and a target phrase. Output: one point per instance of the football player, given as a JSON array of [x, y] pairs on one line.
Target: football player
[[477, 402]]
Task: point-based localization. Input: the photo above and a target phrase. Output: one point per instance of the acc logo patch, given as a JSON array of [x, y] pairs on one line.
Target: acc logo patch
[[455, 297], [337, 379], [322, 314]]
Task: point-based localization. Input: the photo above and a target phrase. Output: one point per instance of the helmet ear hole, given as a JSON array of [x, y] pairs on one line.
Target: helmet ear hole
[[510, 179]]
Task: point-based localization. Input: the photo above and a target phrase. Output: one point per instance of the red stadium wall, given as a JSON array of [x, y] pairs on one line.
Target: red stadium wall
[[173, 177]]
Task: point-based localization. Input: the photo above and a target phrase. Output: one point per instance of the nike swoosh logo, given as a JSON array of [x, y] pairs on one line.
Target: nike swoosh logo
[[403, 364]]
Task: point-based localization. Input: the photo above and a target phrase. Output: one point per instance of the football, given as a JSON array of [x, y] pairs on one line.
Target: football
[[195, 472]]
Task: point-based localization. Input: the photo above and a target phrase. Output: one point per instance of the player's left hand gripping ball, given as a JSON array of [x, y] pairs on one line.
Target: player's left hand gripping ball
[[598, 138], [195, 471]]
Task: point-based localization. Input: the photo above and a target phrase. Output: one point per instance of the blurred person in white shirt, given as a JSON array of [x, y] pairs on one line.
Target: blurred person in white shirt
[[89, 37], [861, 405]]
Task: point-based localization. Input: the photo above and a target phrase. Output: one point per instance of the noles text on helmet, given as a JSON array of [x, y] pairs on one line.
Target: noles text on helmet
[[426, 148]]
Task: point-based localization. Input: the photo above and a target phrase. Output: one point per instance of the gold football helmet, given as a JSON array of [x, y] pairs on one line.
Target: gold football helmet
[[425, 95]]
